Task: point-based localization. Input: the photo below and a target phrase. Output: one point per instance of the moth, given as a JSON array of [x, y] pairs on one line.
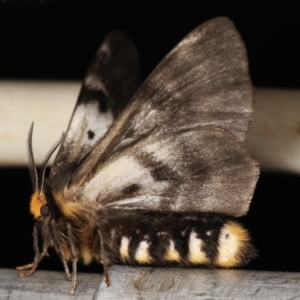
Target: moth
[[154, 175]]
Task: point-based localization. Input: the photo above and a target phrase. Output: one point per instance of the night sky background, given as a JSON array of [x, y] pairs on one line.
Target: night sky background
[[55, 40]]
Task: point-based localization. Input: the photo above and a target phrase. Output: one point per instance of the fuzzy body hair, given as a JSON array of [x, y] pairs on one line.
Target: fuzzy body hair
[[155, 175]]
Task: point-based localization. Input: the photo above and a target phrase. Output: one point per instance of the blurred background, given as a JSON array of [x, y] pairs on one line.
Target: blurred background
[[55, 40]]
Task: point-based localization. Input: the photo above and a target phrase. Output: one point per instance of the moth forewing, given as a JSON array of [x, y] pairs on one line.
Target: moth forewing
[[202, 82], [178, 172], [111, 80], [162, 185]]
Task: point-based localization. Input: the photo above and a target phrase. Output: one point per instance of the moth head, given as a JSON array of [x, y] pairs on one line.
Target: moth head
[[38, 203]]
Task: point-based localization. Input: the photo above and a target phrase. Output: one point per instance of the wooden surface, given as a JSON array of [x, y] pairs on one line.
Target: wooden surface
[[45, 285], [154, 283]]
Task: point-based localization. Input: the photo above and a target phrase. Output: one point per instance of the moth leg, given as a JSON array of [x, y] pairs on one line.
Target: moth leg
[[61, 254], [74, 259], [104, 259], [37, 256], [36, 253]]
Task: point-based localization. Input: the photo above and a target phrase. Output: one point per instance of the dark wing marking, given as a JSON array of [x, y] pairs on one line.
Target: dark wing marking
[[110, 82], [179, 145], [201, 169]]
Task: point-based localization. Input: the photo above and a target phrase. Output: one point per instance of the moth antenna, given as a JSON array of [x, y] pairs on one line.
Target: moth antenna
[[46, 160], [32, 166]]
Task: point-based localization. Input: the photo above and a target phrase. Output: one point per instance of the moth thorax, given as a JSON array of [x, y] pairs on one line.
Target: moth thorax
[[38, 199]]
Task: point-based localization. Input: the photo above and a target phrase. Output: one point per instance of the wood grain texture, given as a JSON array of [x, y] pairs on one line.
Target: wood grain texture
[[153, 283], [167, 283], [45, 285]]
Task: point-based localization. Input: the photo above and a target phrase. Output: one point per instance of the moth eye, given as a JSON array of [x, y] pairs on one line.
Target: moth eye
[[45, 210]]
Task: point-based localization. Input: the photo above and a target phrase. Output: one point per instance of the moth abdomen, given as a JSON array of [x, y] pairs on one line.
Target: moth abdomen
[[149, 187], [194, 240], [234, 246]]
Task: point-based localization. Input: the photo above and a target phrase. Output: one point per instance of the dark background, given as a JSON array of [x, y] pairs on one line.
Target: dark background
[[56, 40]]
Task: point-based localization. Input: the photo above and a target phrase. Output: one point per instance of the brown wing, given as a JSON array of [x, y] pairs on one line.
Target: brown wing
[[179, 145]]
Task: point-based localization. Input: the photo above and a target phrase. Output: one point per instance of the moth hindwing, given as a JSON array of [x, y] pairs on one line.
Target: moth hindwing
[[163, 185]]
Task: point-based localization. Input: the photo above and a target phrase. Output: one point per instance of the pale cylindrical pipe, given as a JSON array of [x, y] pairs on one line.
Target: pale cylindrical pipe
[[274, 137], [48, 104]]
